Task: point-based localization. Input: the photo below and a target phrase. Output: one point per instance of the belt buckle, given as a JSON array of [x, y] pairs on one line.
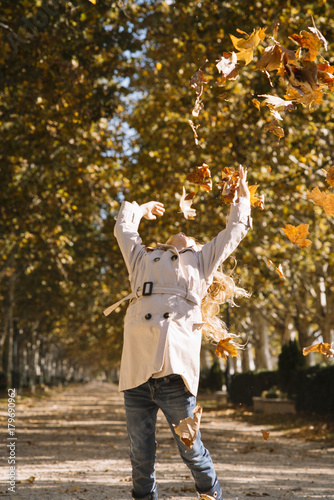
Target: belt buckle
[[148, 284]]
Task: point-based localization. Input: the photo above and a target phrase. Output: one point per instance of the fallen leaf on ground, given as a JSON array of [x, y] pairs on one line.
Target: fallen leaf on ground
[[322, 347], [188, 428], [202, 176], [297, 234], [185, 204], [226, 347]]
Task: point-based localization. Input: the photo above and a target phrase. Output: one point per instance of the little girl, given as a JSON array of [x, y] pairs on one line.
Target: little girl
[[162, 335]]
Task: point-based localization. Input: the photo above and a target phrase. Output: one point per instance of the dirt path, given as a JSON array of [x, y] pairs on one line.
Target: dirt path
[[73, 446]]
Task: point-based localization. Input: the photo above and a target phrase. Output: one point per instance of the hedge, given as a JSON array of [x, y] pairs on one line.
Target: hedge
[[312, 388]]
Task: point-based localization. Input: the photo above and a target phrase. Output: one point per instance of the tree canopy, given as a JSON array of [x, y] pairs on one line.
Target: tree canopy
[[95, 106]]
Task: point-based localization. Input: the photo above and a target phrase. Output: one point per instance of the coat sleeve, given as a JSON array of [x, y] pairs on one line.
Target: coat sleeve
[[126, 233], [217, 250]]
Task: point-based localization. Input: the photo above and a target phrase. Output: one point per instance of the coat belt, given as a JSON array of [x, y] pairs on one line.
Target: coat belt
[[142, 292]]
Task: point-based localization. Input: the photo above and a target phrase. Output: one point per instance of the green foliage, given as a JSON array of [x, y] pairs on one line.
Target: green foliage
[[315, 390], [213, 378]]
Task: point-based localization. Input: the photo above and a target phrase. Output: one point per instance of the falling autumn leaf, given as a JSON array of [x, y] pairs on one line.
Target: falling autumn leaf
[[246, 46], [197, 82], [322, 199], [276, 104], [93, 1], [265, 434], [227, 66], [309, 41], [278, 269], [330, 176], [297, 234], [226, 347], [194, 129], [202, 176], [188, 428], [274, 127], [256, 201], [229, 184], [270, 59], [257, 104], [322, 347], [185, 205]]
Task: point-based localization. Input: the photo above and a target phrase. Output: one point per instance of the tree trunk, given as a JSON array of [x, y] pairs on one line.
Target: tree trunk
[[261, 342]]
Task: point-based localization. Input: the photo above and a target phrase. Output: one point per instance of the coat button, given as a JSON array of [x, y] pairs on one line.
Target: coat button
[[156, 259], [174, 257], [166, 315], [148, 316]]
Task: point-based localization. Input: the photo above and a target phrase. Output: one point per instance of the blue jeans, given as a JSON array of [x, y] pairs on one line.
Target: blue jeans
[[176, 402]]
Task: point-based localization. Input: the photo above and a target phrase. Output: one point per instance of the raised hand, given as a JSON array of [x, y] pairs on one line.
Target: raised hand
[[151, 209], [243, 190]]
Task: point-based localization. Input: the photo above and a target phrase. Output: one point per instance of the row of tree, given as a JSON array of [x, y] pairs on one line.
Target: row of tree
[[95, 104]]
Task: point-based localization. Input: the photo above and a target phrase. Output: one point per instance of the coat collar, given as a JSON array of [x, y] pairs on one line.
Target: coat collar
[[165, 247]]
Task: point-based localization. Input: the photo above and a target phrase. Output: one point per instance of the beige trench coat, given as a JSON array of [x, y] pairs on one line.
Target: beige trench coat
[[163, 320]]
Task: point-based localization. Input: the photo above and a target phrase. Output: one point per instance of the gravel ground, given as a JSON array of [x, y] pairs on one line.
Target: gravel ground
[[72, 445]]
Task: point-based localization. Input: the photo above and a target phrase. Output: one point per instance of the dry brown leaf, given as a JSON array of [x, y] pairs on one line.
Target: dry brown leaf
[[185, 205], [265, 434], [256, 201], [270, 59], [198, 80], [194, 129], [246, 46], [188, 428], [297, 234], [229, 184], [274, 127], [322, 347], [278, 269], [227, 66], [330, 176], [202, 176], [226, 347]]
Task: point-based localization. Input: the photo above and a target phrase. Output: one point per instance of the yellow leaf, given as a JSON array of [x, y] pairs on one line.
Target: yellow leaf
[[256, 201], [246, 46], [93, 1], [226, 347], [330, 176], [297, 234], [158, 66]]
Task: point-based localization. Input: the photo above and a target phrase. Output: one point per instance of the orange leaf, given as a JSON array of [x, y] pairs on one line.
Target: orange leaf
[[226, 347], [229, 184], [297, 234], [265, 434], [188, 428], [309, 41], [185, 204], [201, 176], [323, 348], [330, 176], [322, 199]]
